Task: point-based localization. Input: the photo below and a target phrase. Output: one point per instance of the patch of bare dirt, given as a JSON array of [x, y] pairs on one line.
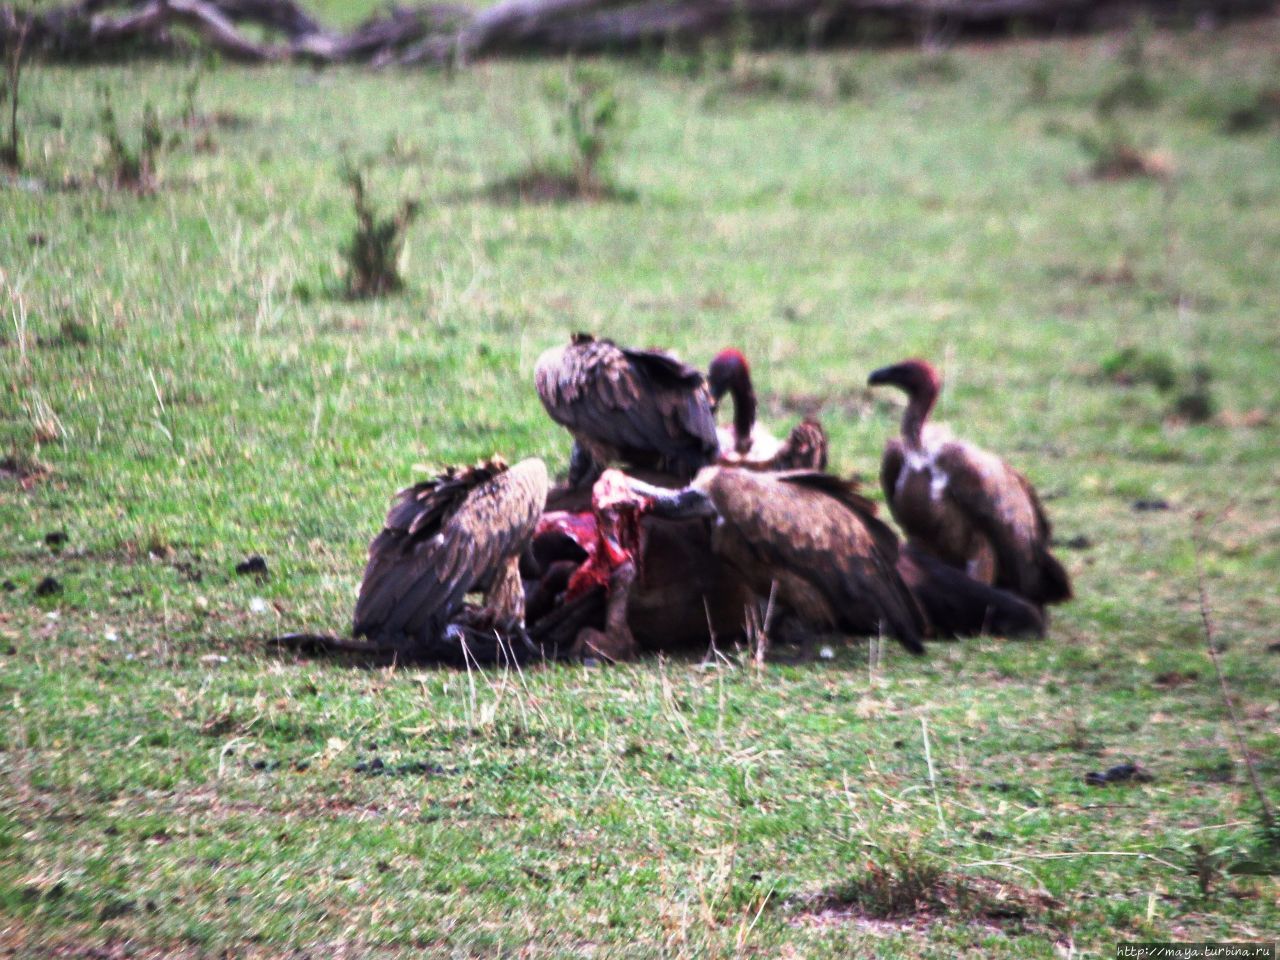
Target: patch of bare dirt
[[25, 471], [1246, 420], [1125, 162], [879, 903]]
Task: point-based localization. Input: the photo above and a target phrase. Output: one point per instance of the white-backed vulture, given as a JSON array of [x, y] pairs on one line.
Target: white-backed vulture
[[459, 533], [810, 541], [749, 443], [962, 504], [642, 408]]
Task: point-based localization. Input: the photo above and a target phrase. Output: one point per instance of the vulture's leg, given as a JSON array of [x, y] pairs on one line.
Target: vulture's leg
[[616, 642], [584, 469]]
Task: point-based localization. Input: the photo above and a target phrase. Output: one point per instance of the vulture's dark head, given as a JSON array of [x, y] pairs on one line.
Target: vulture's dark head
[[683, 503], [916, 377], [728, 371]]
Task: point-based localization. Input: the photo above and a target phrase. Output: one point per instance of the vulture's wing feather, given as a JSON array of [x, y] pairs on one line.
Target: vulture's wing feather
[[819, 527], [848, 493], [1004, 506], [891, 469], [805, 447], [443, 539], [874, 568], [1055, 583], [662, 368], [682, 394], [630, 400]]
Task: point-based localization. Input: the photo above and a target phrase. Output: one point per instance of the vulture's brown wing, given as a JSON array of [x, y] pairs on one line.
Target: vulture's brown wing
[[640, 403], [683, 395], [891, 469], [822, 529], [805, 447], [443, 539], [1055, 583], [1002, 504]]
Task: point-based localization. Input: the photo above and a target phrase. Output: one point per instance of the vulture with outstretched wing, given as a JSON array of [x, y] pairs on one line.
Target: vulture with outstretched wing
[[962, 504], [749, 443], [810, 541], [643, 408], [459, 533]]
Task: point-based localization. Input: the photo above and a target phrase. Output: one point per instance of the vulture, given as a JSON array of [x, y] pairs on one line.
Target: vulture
[[749, 443], [643, 408], [961, 504], [610, 579], [807, 539], [461, 532]]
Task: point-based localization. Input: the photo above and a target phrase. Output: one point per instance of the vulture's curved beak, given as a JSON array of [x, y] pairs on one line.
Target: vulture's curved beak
[[882, 377]]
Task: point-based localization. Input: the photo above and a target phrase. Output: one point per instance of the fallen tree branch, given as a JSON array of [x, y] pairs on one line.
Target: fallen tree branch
[[218, 31], [445, 34]]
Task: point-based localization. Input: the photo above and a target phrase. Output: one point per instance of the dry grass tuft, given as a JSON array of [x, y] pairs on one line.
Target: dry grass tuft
[[904, 883]]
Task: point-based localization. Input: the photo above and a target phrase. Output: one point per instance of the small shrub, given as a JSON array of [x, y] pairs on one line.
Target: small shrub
[[1115, 156], [897, 879], [373, 252], [1039, 80], [1196, 402], [721, 53], [190, 90], [1131, 366], [1192, 395], [680, 63], [589, 120], [900, 878], [1205, 864], [1240, 109], [1134, 89], [132, 169], [1210, 866], [1134, 52]]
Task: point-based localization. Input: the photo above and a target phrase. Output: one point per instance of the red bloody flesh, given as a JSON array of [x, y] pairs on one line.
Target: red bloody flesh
[[610, 534]]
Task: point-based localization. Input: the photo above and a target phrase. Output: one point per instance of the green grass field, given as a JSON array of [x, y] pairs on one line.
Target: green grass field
[[182, 388]]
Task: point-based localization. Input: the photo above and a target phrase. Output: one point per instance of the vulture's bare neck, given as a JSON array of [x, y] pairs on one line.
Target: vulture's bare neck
[[913, 420], [744, 410]]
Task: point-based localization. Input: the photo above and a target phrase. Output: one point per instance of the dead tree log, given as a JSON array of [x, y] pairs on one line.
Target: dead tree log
[[282, 15], [443, 33]]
